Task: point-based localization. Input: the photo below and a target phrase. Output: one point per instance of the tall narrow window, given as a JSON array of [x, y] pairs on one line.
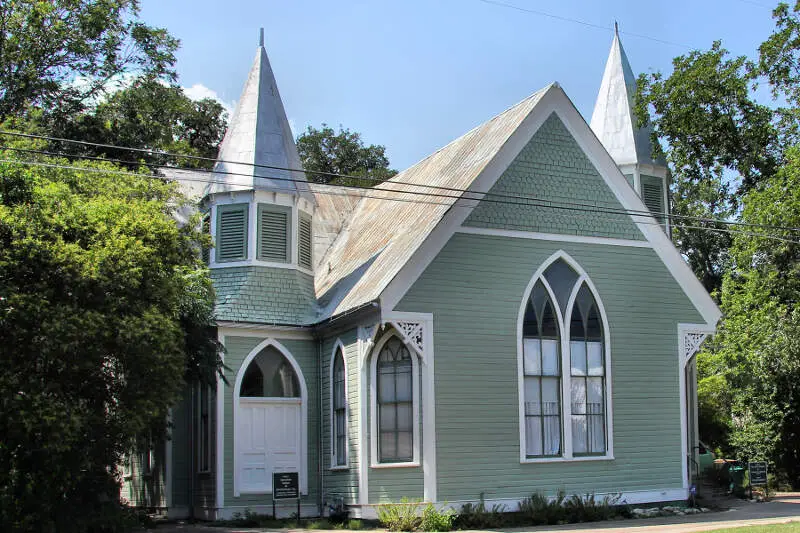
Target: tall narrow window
[[395, 403], [339, 411], [232, 232], [542, 370], [563, 354], [587, 376]]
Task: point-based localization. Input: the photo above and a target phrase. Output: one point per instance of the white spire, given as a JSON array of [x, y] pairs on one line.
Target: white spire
[[259, 134], [613, 119]]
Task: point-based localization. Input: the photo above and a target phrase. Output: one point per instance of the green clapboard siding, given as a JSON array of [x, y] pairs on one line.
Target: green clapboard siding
[[146, 489], [553, 168], [477, 416], [341, 483], [305, 353]]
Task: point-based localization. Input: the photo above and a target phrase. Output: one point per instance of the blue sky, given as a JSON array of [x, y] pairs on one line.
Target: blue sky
[[413, 75]]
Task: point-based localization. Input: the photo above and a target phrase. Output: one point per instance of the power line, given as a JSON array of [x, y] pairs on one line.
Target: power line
[[366, 195], [581, 22], [382, 184]]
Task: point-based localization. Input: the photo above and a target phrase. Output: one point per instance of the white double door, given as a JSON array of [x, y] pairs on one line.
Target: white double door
[[269, 439]]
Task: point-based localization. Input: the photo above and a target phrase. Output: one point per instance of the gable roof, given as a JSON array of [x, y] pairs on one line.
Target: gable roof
[[613, 120], [391, 238], [386, 228]]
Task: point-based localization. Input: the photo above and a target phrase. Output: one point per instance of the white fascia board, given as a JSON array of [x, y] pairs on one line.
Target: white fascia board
[[649, 227], [236, 329], [554, 100]]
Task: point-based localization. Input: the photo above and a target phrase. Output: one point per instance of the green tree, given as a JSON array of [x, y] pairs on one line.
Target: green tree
[[326, 151], [151, 115], [718, 141], [105, 311], [759, 341], [60, 54]]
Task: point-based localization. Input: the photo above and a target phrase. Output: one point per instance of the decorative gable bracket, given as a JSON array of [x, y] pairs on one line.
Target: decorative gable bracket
[[416, 330], [690, 337]]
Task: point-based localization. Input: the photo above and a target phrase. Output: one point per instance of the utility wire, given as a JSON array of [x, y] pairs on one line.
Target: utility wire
[[366, 195], [382, 183], [581, 22]]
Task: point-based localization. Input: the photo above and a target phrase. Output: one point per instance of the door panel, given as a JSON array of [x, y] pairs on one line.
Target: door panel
[[269, 440]]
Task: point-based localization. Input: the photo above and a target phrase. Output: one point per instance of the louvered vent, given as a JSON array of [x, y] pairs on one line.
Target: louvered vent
[[206, 229], [653, 198], [272, 230], [232, 233], [304, 241]]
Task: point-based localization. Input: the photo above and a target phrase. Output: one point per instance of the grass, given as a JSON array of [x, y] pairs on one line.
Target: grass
[[791, 527]]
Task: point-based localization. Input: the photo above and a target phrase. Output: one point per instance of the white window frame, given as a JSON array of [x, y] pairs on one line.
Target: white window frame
[[373, 393], [566, 365], [338, 345]]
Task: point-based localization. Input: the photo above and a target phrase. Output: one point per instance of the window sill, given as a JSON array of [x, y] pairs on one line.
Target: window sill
[[412, 464], [340, 468], [567, 459]]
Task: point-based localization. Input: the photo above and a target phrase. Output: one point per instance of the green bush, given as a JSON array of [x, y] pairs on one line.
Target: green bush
[[474, 516], [435, 520], [587, 508], [403, 516], [539, 509]]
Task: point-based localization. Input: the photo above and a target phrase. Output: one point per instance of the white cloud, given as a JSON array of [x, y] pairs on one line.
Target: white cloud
[[198, 91]]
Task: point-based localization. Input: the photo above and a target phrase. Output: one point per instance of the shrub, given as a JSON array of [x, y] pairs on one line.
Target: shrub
[[587, 508], [436, 520], [540, 509], [403, 516], [474, 516]]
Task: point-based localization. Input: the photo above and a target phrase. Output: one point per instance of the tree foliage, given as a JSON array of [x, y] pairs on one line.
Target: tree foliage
[[58, 54], [148, 114], [105, 308], [758, 345], [719, 143], [324, 151]]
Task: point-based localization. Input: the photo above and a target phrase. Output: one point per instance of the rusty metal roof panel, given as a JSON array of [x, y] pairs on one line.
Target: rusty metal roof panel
[[392, 220]]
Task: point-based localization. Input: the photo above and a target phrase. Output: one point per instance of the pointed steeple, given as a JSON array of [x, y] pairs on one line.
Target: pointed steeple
[[259, 134], [613, 119]]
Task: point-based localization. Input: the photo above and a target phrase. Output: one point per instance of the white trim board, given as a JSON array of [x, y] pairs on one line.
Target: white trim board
[[556, 237], [232, 329], [555, 101], [370, 512], [220, 463]]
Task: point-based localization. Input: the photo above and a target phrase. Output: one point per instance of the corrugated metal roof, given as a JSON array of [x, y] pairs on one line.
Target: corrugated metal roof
[[385, 229]]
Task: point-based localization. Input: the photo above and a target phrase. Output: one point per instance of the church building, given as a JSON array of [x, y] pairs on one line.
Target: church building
[[508, 315]]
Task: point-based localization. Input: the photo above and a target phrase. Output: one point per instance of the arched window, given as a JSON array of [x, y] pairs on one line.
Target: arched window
[[339, 410], [395, 403], [562, 327], [270, 375], [587, 376], [542, 370]]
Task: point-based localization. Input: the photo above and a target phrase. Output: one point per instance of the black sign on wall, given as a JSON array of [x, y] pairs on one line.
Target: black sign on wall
[[285, 486]]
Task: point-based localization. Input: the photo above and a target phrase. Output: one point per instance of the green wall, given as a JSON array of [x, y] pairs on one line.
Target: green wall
[[474, 289]]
